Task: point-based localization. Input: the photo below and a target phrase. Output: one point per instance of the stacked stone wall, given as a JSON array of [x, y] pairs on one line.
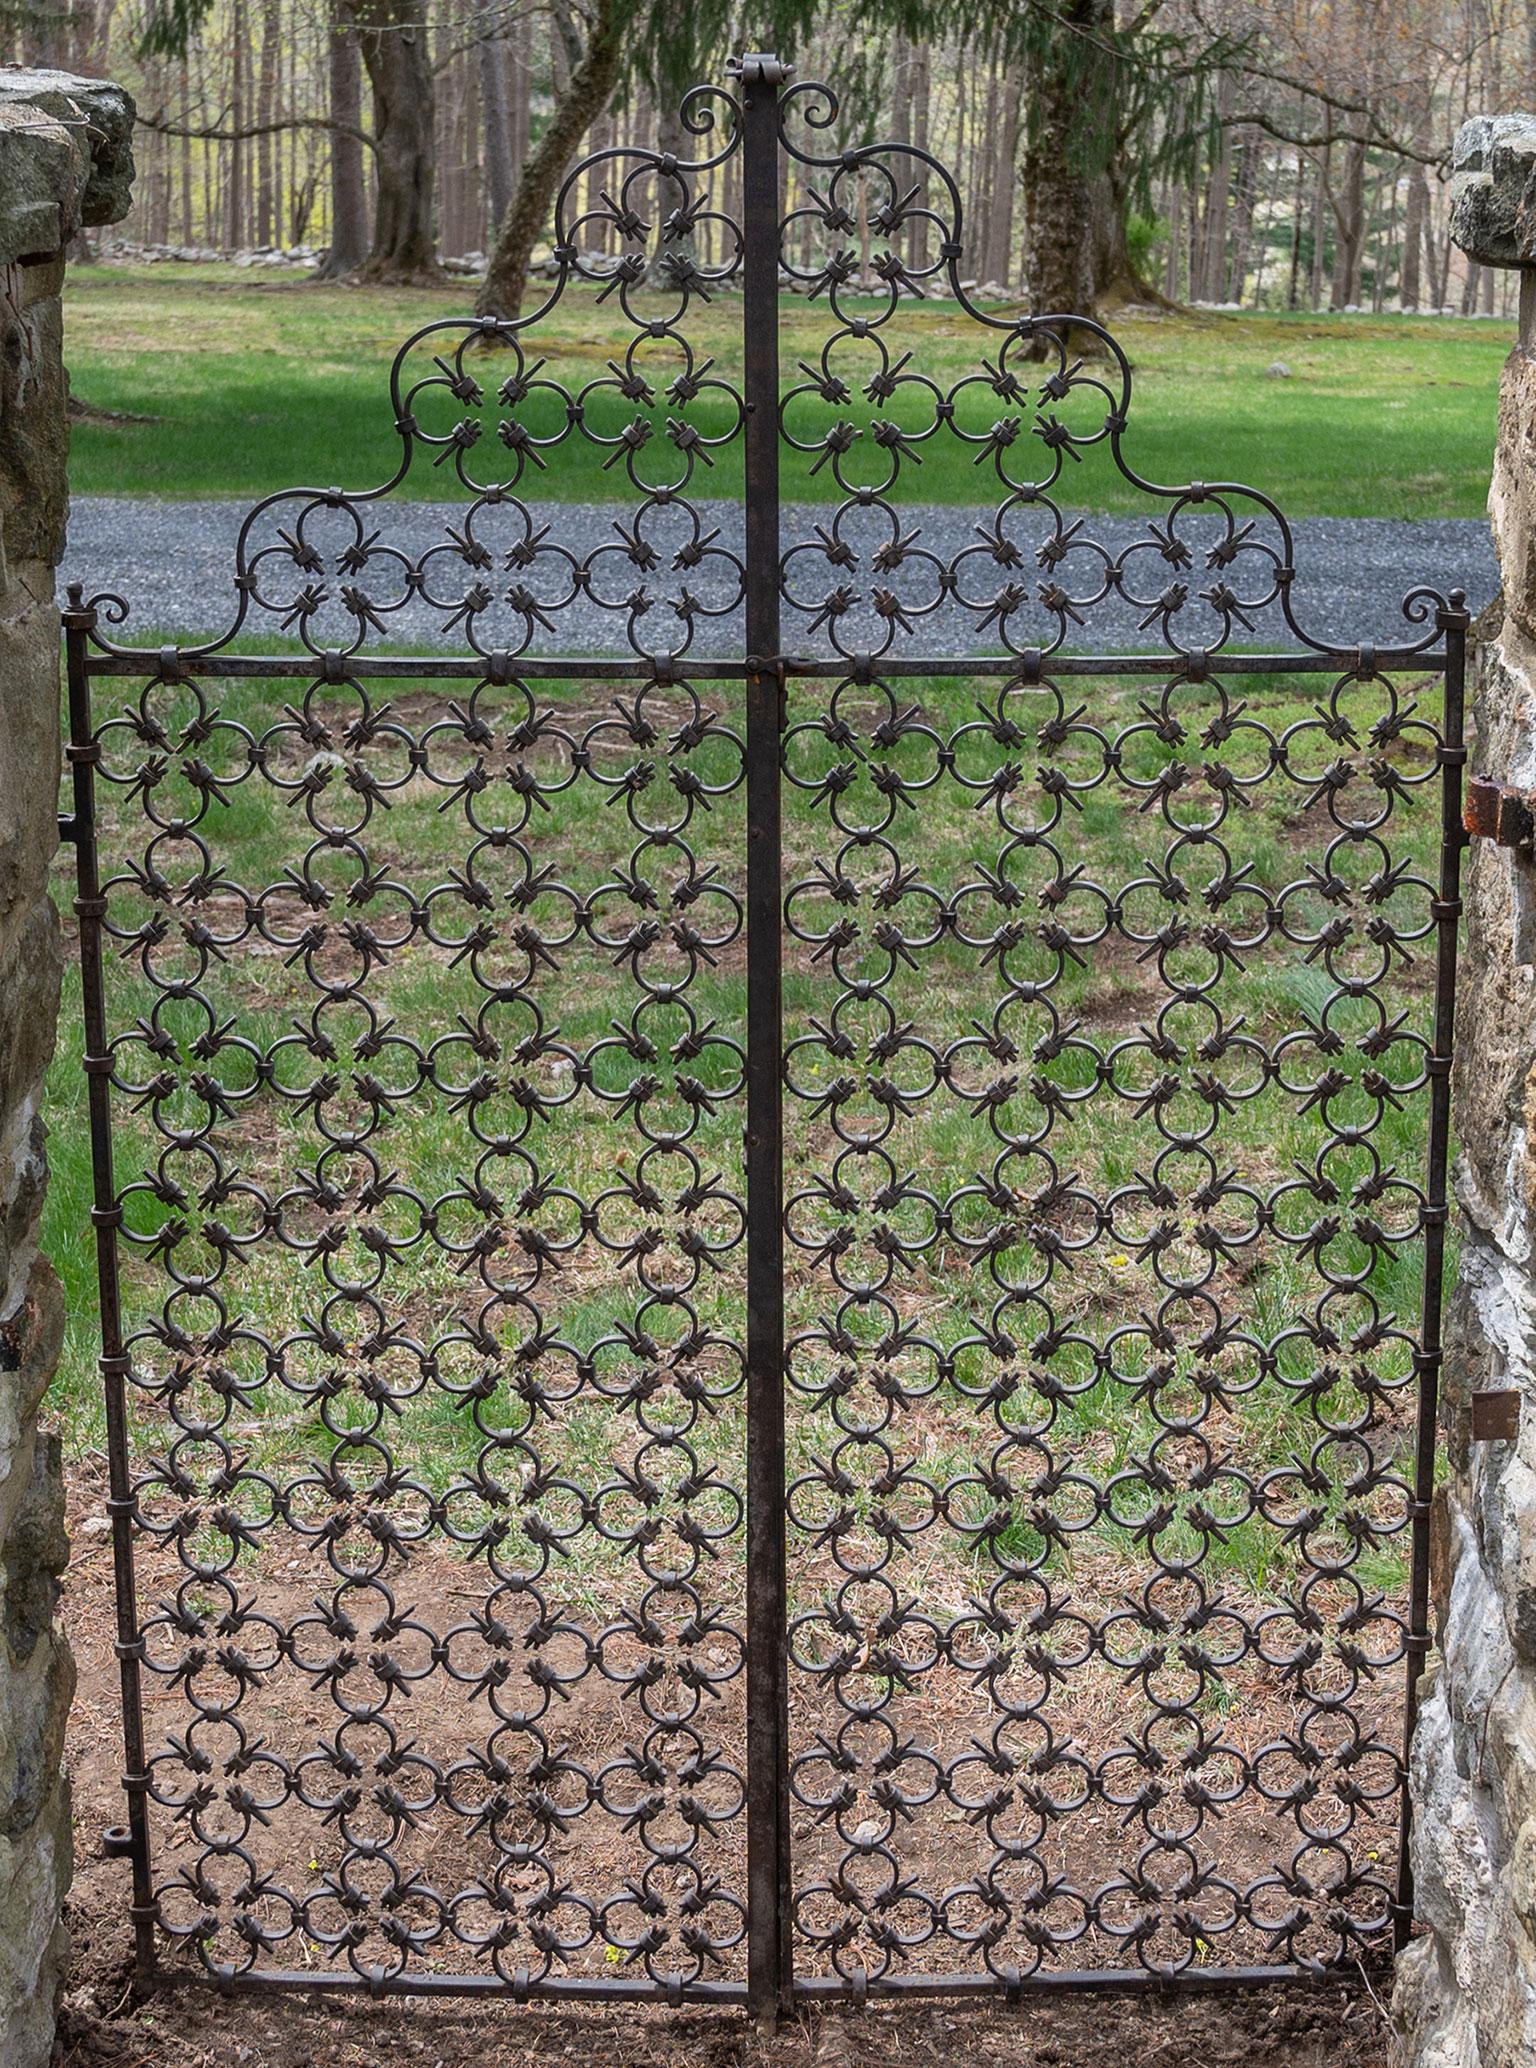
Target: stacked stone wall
[[1466, 1986], [64, 163]]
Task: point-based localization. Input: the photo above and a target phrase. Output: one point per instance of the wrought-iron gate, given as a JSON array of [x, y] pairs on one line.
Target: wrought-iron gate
[[770, 1302]]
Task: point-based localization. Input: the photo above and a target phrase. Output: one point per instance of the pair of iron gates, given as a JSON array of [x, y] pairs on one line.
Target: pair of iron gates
[[770, 1304]]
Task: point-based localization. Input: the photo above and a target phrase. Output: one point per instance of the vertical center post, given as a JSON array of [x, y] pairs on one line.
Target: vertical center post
[[768, 1881]]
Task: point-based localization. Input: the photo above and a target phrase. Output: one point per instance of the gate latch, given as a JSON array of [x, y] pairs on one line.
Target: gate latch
[[1496, 812]]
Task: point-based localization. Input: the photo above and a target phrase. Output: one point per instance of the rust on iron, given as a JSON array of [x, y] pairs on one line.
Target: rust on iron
[[1498, 813], [1496, 1415]]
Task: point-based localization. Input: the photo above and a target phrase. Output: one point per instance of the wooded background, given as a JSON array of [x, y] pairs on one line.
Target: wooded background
[[1288, 154]]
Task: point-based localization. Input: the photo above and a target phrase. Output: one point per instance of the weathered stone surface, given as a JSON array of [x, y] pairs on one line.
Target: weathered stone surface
[[34, 1947], [66, 158], [1466, 1989], [1511, 506], [34, 407], [1493, 189], [64, 161]]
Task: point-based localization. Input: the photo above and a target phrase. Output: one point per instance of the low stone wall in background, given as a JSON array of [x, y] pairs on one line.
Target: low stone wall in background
[[65, 162]]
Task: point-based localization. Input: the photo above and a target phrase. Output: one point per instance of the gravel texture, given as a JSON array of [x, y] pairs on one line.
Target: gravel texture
[[174, 561]]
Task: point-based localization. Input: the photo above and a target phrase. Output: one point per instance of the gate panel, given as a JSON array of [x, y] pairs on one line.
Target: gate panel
[[426, 1044], [1107, 1225], [432, 1234], [770, 1287], [1120, 1015]]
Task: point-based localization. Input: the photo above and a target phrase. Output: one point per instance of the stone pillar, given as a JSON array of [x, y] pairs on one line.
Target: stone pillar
[[64, 162], [1466, 1989]]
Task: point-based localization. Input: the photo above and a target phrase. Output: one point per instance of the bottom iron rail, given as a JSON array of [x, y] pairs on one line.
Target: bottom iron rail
[[807, 1989]]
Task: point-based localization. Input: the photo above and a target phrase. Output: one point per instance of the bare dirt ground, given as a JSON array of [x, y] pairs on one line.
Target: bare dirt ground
[[1326, 2029], [193, 2026]]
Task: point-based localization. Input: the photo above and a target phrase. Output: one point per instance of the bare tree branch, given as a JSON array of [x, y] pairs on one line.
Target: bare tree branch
[[215, 135], [1374, 137]]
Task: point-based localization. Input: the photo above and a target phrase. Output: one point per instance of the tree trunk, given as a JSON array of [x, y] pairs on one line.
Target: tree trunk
[[1349, 214], [155, 177], [600, 137], [921, 76], [234, 199], [267, 230], [1213, 255], [517, 101], [210, 231], [984, 171], [392, 37], [1261, 266], [349, 197], [1320, 225], [500, 172], [1245, 195], [591, 83], [901, 89], [1074, 189], [1006, 183], [1293, 295], [1384, 246], [188, 235], [459, 214], [1410, 278]]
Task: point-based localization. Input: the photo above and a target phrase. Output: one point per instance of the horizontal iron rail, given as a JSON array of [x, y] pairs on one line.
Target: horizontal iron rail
[[567, 667], [808, 1989], [1132, 1980]]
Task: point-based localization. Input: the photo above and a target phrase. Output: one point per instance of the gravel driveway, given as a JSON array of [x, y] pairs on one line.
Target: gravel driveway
[[174, 562]]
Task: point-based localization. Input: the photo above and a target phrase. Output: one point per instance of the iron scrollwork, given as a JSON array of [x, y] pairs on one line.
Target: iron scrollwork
[[513, 1369]]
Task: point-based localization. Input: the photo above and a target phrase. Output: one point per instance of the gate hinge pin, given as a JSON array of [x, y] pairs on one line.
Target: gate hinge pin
[[1495, 811], [759, 68]]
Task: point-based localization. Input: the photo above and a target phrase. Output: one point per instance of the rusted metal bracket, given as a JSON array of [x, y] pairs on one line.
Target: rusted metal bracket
[[777, 670], [1496, 1415], [1495, 811]]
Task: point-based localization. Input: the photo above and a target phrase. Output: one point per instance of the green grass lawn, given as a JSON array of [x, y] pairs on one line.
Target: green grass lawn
[[256, 384], [1105, 1101], [1068, 978], [1105, 1014], [253, 384]]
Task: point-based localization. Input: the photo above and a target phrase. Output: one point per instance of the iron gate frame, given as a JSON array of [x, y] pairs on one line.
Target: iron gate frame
[[763, 84]]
